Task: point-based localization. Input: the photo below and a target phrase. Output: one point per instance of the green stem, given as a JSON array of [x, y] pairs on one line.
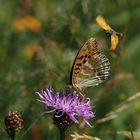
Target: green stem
[[11, 135], [62, 134]]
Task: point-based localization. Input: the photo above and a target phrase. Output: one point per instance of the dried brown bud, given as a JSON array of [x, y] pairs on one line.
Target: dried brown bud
[[13, 122]]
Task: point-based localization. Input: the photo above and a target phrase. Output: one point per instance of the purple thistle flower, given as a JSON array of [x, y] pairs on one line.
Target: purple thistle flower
[[72, 105]]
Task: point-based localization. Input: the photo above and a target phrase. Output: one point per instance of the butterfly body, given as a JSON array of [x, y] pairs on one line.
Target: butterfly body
[[90, 67]]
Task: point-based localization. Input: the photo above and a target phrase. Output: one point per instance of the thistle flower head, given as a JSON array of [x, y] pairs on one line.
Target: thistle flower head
[[72, 105]]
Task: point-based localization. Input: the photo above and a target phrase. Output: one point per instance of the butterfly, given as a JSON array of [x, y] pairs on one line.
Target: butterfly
[[114, 35], [90, 67]]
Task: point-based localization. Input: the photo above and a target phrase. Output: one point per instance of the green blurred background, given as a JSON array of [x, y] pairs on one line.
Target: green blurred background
[[38, 43]]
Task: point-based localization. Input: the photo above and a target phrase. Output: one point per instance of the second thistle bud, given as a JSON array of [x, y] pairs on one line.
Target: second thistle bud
[[13, 122]]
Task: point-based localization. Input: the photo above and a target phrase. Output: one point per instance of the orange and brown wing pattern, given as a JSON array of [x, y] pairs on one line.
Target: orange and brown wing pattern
[[90, 67]]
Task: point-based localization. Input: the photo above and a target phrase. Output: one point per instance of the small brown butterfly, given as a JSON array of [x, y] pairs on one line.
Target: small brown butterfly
[[90, 67], [114, 35]]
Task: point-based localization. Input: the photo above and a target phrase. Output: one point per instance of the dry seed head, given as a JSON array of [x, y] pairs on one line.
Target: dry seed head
[[13, 121]]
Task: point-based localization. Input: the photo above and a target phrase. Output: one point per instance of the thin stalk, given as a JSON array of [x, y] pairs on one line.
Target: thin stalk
[[62, 134], [11, 135]]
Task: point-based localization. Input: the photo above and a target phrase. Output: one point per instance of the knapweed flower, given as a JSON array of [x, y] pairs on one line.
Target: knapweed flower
[[71, 104]]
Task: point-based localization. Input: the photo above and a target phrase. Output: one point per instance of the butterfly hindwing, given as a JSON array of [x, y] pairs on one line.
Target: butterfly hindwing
[[114, 42]]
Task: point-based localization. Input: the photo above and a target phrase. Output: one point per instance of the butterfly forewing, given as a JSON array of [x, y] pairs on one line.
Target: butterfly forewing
[[102, 23], [90, 67]]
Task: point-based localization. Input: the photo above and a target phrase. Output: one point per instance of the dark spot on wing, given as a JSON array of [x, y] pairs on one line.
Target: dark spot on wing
[[84, 61], [86, 56], [77, 68], [89, 56], [80, 57], [79, 64]]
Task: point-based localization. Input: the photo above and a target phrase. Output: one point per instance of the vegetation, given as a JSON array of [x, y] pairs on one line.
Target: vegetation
[[38, 44]]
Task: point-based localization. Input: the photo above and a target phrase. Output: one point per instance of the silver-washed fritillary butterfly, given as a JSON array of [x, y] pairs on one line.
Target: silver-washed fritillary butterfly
[[90, 67], [114, 35]]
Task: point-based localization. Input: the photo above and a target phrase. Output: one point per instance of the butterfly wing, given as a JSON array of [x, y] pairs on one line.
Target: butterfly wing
[[114, 41], [114, 35], [102, 23], [90, 67]]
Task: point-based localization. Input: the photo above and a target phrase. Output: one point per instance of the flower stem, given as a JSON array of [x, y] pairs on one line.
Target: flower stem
[[62, 134], [11, 138], [12, 135]]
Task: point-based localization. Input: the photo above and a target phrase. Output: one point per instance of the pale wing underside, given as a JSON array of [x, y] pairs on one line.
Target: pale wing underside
[[94, 69], [99, 72]]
